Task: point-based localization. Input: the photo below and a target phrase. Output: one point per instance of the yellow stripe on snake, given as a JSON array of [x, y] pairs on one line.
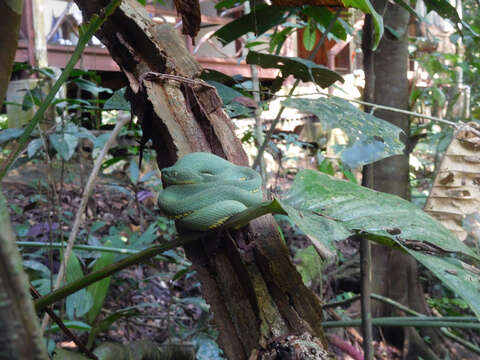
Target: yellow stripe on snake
[[202, 191]]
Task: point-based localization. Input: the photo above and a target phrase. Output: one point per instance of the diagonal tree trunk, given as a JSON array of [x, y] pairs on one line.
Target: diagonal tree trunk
[[247, 276]]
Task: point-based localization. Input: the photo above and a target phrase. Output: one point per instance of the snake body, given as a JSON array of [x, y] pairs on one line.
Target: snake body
[[202, 191]]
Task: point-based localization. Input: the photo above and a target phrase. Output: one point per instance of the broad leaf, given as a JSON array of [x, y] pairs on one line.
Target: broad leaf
[[65, 141], [330, 209], [447, 11], [9, 134], [309, 36], [369, 138], [117, 101], [33, 147], [367, 8], [261, 19], [91, 87], [323, 17], [98, 290], [80, 302], [302, 69], [226, 92]]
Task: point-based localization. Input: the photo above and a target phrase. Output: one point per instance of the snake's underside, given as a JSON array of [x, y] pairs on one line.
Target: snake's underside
[[202, 191]]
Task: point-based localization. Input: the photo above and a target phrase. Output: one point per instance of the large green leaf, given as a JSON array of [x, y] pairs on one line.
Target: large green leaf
[[329, 209], [302, 69], [369, 138], [261, 19], [117, 101], [80, 302], [367, 8], [99, 289], [323, 17], [447, 11]]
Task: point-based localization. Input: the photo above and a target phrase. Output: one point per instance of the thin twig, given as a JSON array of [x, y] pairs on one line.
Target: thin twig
[[61, 325]]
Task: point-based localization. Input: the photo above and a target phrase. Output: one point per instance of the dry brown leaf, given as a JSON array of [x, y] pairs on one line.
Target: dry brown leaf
[[456, 190]]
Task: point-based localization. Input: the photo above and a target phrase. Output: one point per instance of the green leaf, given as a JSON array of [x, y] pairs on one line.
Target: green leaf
[[33, 147], [133, 172], [261, 19], [36, 266], [369, 138], [309, 36], [226, 92], [302, 69], [117, 101], [99, 289], [62, 354], [367, 8], [105, 323], [323, 16], [448, 11], [79, 303], [10, 134], [71, 324], [91, 87], [411, 10], [65, 141], [329, 209]]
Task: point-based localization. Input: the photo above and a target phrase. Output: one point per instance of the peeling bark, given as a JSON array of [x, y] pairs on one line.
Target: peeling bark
[[247, 276]]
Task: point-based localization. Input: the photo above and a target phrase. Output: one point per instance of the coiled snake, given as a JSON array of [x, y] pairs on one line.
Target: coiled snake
[[202, 191]]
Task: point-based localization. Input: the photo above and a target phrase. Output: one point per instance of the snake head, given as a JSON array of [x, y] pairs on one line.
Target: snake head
[[181, 176]]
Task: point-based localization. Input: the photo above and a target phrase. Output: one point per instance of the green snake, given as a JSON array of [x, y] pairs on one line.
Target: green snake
[[202, 191]]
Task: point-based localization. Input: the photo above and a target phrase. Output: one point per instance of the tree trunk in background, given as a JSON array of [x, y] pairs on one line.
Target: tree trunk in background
[[395, 274], [11, 14], [247, 277]]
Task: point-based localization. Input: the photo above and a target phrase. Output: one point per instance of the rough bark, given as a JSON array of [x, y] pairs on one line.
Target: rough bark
[[11, 16], [388, 85], [247, 277]]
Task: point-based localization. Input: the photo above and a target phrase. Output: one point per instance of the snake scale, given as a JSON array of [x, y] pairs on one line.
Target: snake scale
[[202, 191]]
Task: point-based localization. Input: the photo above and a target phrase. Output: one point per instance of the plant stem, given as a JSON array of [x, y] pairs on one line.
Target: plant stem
[[68, 289], [366, 290]]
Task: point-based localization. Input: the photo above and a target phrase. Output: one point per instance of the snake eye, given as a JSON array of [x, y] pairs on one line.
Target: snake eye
[[207, 173]]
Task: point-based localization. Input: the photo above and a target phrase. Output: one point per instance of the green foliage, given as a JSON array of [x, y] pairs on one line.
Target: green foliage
[[261, 19], [369, 138], [302, 69], [367, 8], [329, 210], [98, 291]]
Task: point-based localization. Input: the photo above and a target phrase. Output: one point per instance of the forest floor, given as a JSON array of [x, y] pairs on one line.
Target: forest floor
[[156, 300]]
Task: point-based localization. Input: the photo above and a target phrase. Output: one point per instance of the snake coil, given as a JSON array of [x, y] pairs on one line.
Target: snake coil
[[202, 191]]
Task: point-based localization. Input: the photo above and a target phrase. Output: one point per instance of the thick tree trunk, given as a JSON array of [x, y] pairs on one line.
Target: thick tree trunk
[[387, 84], [247, 277], [11, 15]]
